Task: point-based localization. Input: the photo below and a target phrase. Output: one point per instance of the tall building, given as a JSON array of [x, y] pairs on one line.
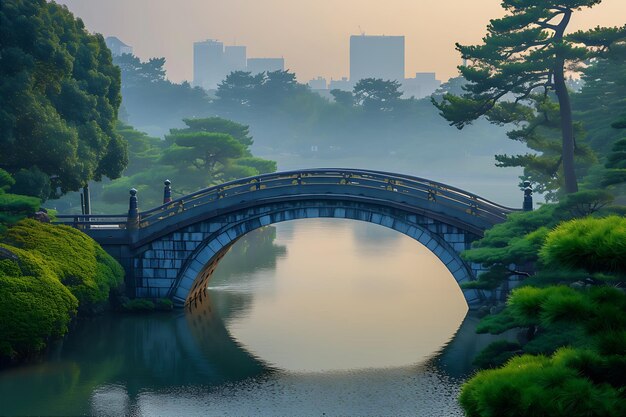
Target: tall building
[[258, 65], [117, 47], [235, 58], [376, 57], [209, 68]]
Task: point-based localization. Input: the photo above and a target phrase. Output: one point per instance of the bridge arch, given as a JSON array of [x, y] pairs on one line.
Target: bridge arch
[[171, 250], [444, 241]]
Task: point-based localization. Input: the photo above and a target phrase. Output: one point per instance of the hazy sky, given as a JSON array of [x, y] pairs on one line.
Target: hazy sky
[[312, 35]]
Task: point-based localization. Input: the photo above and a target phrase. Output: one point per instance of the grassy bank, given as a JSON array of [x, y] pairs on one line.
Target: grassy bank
[[49, 274]]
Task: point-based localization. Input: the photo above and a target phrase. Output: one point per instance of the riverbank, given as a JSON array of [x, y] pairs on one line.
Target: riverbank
[[49, 275]]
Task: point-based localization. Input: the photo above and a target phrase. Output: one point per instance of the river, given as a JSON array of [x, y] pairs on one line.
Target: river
[[311, 317]]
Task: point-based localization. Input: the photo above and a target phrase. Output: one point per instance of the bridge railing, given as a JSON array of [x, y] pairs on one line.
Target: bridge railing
[[94, 221], [414, 187]]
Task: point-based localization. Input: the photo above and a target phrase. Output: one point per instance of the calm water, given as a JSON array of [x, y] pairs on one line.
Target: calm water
[[313, 317]]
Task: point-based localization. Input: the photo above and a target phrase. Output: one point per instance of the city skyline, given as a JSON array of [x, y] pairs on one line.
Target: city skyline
[[313, 43]]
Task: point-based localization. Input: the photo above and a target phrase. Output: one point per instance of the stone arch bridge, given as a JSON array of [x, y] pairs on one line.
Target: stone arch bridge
[[171, 251]]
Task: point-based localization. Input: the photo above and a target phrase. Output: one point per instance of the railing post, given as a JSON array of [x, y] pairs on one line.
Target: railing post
[[87, 199], [133, 211], [167, 192], [528, 197]]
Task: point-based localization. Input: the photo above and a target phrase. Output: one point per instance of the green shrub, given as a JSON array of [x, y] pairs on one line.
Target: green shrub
[[539, 386], [15, 207], [6, 180], [34, 305], [525, 304], [564, 304], [76, 259], [595, 245]]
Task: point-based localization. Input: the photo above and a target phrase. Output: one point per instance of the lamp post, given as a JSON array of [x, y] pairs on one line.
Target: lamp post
[[167, 192], [528, 196], [133, 211]]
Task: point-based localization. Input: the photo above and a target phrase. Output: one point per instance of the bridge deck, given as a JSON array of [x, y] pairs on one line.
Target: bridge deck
[[398, 188]]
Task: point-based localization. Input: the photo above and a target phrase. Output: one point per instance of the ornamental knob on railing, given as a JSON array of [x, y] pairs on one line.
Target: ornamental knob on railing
[[167, 192], [133, 211], [528, 196]]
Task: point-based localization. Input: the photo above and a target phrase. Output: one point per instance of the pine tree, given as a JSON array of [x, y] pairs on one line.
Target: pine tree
[[525, 53]]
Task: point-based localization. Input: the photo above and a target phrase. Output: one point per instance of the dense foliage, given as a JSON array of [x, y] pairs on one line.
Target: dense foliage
[[518, 240], [13, 207], [34, 305], [206, 152], [595, 245], [76, 260], [565, 384], [48, 273], [569, 313], [514, 75], [59, 97]]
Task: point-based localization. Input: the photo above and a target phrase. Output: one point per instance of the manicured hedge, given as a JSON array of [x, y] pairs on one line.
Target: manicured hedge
[[47, 274], [34, 305], [76, 259]]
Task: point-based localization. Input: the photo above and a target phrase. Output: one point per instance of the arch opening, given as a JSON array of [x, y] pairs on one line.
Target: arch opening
[[376, 293], [197, 270]]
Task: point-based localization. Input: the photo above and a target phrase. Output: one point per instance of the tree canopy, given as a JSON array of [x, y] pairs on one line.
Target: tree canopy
[[376, 94], [59, 97], [524, 54], [206, 152]]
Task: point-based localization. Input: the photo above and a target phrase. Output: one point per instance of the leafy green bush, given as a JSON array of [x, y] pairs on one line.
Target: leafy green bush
[[76, 259], [538, 385], [595, 245], [34, 305], [13, 207], [584, 328]]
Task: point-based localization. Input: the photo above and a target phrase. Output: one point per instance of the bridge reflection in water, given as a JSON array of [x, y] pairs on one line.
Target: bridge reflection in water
[[200, 362], [188, 364]]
